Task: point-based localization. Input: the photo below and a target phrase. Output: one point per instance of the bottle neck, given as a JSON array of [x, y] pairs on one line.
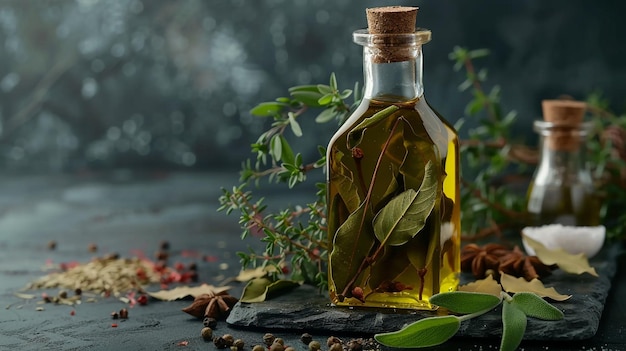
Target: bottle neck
[[395, 80], [562, 155]]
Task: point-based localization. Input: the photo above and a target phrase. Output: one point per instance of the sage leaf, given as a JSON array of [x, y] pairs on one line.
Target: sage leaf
[[513, 326], [405, 215], [351, 244], [261, 289], [355, 136], [465, 302], [534, 306], [423, 333]]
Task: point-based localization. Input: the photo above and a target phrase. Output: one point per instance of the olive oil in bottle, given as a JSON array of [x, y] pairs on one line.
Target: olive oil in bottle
[[562, 191], [393, 180]]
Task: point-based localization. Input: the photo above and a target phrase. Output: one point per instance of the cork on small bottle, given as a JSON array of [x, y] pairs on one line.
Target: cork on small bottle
[[391, 20], [566, 117]]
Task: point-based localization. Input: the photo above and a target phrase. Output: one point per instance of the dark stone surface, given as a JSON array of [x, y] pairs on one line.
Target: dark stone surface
[[305, 309]]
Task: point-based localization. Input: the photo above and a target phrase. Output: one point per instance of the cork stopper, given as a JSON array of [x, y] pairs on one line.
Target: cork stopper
[[391, 20], [566, 118], [563, 112]]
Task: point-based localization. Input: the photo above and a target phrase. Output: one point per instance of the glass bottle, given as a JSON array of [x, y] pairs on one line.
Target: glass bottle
[[393, 185], [562, 190]]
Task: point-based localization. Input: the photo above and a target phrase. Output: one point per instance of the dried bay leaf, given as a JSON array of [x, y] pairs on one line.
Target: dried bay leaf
[[351, 244], [575, 264], [405, 215], [487, 286], [514, 285], [355, 136], [261, 289], [182, 292]]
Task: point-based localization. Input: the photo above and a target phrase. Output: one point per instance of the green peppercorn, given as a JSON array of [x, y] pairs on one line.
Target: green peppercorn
[[306, 338], [258, 348], [207, 333], [268, 339], [315, 345]]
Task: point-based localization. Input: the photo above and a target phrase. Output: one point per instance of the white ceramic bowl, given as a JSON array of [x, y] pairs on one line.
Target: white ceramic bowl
[[588, 240]]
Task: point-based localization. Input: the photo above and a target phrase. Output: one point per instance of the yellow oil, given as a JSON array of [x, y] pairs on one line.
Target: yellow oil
[[392, 158]]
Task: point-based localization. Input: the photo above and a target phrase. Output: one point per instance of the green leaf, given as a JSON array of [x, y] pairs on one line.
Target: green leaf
[[333, 81], [326, 115], [423, 333], [295, 126], [267, 109], [465, 302], [286, 151], [261, 289], [513, 326], [325, 99], [351, 244], [306, 94], [355, 137], [405, 215], [324, 89], [277, 147], [534, 306]]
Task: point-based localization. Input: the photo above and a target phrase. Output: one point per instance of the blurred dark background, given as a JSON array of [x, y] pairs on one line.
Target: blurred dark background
[[104, 84]]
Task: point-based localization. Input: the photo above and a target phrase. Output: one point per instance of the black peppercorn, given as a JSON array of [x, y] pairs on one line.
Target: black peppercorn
[[306, 338], [220, 343], [210, 322], [268, 339], [124, 313]]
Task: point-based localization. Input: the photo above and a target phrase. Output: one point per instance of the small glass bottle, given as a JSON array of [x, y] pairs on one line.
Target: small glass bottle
[[393, 179], [562, 190]]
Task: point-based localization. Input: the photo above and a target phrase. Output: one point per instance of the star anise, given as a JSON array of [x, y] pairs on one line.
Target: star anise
[[482, 260], [495, 258], [211, 305]]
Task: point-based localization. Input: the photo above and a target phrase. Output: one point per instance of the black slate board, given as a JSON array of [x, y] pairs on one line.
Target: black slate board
[[305, 309]]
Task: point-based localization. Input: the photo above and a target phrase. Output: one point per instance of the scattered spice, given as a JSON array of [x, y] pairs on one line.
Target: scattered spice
[[495, 258], [114, 325], [207, 333], [211, 305], [124, 313], [92, 247], [52, 245], [306, 338], [110, 275]]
